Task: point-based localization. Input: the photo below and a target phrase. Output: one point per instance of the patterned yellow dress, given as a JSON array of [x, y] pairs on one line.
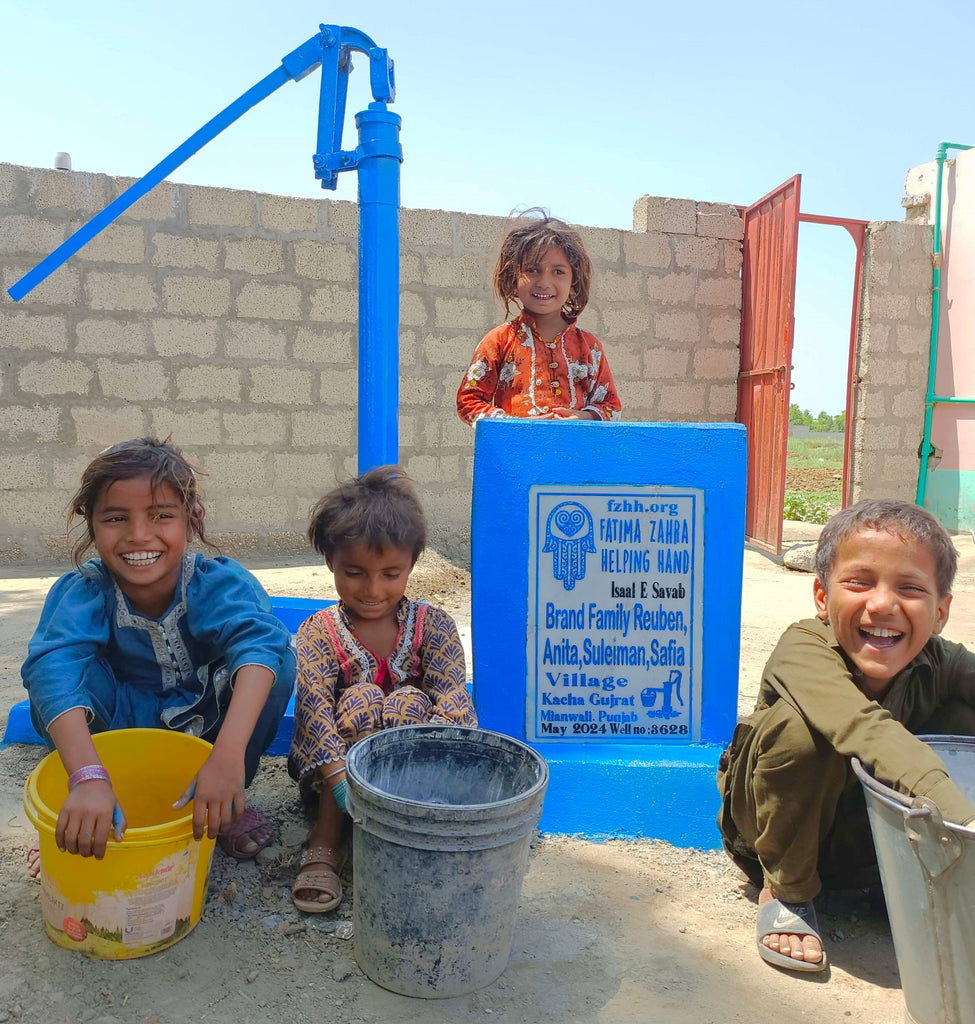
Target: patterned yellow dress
[[345, 691]]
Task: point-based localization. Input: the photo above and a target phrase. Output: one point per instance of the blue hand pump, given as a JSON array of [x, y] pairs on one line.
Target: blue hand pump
[[377, 158]]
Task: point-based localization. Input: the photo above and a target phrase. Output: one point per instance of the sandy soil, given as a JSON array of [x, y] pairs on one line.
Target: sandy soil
[[614, 933]]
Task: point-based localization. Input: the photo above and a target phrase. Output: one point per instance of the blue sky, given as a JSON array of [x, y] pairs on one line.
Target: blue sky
[[578, 107]]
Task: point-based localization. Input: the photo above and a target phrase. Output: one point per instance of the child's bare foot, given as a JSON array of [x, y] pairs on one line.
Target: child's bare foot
[[247, 837], [33, 862], [803, 948]]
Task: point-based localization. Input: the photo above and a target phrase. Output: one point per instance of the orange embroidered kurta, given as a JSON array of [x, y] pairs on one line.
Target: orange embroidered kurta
[[513, 373]]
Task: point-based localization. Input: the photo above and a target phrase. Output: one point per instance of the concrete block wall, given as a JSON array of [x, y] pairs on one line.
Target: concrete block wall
[[690, 336], [891, 363], [228, 319], [200, 313]]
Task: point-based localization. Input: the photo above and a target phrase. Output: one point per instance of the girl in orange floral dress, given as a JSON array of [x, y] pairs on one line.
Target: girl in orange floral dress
[[373, 661], [540, 364]]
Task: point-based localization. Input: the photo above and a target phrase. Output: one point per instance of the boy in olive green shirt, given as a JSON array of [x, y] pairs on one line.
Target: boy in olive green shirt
[[857, 681]]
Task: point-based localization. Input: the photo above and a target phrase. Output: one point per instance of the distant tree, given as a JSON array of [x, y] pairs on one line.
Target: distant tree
[[839, 422], [795, 415], [823, 422]]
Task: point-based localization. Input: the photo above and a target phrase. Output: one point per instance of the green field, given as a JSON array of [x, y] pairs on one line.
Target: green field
[[813, 477]]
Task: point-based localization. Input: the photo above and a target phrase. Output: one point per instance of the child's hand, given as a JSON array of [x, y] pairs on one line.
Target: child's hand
[[89, 814], [217, 793], [561, 413]]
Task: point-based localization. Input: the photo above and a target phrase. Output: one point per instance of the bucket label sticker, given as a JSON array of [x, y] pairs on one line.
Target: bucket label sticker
[[156, 911], [160, 906], [53, 905], [614, 611], [150, 913]]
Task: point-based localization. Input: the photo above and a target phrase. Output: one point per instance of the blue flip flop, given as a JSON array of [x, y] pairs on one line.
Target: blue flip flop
[[779, 918]]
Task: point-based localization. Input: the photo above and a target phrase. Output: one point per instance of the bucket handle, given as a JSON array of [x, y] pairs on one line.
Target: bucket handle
[[936, 847]]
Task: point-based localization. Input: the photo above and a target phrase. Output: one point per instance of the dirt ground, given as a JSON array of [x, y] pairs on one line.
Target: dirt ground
[[810, 479], [608, 933]]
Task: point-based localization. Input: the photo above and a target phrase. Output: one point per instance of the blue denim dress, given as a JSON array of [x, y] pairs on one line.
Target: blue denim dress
[[128, 670]]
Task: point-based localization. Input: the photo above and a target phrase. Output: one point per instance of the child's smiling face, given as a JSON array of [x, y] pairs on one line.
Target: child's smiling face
[[883, 603], [544, 290], [371, 583], [140, 533]]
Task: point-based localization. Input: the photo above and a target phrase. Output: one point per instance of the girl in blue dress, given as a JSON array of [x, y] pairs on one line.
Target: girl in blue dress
[[150, 635]]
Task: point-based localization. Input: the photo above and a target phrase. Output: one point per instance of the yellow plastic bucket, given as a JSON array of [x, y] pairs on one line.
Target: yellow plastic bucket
[[148, 891]]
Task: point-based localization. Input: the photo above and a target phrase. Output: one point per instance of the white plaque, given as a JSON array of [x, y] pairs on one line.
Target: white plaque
[[614, 614]]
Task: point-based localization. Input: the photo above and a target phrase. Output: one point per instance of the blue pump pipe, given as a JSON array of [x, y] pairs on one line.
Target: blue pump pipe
[[377, 159], [378, 436]]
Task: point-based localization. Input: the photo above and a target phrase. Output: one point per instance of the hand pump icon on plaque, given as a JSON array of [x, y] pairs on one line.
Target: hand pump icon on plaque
[[648, 697]]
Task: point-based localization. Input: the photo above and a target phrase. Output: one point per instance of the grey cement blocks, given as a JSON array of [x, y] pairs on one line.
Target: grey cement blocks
[[891, 362], [229, 320]]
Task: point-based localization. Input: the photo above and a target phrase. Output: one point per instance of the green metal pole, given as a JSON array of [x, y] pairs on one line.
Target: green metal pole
[[930, 397]]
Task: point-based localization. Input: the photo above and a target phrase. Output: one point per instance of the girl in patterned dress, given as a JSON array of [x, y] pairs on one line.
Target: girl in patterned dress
[[375, 660], [149, 635], [540, 364]]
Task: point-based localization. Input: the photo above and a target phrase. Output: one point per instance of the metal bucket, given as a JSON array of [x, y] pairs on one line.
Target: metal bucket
[[928, 870], [443, 819]]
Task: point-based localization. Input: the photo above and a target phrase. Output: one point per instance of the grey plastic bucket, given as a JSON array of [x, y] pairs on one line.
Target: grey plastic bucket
[[928, 870], [443, 818]]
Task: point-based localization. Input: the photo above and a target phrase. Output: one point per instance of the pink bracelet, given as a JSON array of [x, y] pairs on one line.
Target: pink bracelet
[[87, 774]]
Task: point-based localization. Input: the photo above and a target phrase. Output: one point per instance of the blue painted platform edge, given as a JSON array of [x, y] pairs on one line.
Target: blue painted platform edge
[[20, 729], [293, 611], [660, 796], [704, 843]]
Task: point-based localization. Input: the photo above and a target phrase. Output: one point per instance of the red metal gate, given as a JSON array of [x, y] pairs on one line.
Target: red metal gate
[[768, 284]]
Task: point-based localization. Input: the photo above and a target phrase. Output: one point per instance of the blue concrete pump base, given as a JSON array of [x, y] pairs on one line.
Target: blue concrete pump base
[[603, 788]]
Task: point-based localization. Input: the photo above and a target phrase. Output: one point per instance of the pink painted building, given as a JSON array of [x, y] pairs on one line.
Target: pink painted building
[[947, 486]]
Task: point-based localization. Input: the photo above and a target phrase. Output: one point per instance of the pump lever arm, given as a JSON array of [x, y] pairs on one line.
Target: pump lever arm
[[295, 65]]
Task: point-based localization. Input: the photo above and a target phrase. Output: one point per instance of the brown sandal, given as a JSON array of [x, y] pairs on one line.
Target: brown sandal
[[320, 867]]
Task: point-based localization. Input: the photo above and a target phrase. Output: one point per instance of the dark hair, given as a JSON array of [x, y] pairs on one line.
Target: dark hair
[[161, 461], [903, 518], [379, 509], [526, 244]]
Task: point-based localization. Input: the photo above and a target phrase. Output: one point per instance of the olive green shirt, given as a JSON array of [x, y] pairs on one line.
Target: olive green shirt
[[810, 670]]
